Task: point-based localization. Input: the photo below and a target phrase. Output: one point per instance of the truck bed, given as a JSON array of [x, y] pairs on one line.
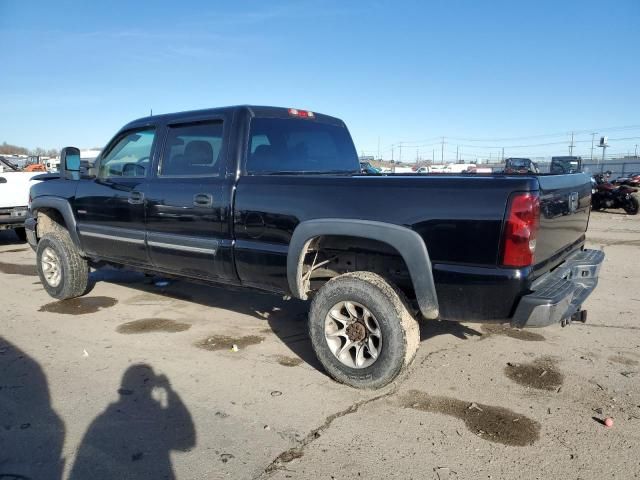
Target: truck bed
[[460, 218]]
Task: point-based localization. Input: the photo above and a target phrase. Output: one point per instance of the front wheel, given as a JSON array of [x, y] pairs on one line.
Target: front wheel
[[631, 206], [362, 330], [62, 271]]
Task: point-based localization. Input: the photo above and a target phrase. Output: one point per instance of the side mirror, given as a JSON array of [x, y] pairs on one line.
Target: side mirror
[[70, 163]]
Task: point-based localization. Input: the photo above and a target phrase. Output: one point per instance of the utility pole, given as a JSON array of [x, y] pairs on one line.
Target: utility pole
[[503, 154], [400, 153], [378, 147], [433, 156], [391, 153], [593, 136], [636, 154], [571, 145], [457, 153], [603, 144], [417, 154], [442, 152]]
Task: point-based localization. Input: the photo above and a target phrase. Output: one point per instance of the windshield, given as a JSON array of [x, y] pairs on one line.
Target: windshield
[[519, 162], [565, 165], [279, 145]]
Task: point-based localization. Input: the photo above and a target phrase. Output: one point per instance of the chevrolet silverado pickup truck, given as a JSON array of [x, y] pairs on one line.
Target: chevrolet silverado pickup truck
[[274, 199]]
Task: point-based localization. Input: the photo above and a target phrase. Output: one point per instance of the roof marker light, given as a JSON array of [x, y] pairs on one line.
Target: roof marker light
[[294, 112]]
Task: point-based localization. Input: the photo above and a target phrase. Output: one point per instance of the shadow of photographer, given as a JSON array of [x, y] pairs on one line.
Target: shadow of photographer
[[31, 432], [134, 436]]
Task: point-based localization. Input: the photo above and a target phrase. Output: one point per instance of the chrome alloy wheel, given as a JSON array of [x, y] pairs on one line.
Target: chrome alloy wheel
[[51, 268], [353, 334]]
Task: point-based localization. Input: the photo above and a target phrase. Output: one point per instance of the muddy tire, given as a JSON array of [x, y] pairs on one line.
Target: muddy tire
[[62, 271], [362, 330], [632, 206], [21, 233]]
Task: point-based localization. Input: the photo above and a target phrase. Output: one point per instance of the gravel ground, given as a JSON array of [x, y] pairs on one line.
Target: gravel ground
[[137, 381]]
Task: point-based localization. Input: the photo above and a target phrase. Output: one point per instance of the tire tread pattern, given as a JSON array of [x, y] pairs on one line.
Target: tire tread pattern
[[75, 269], [408, 326]]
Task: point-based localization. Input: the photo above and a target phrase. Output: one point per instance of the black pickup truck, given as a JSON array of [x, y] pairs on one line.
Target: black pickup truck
[[274, 199]]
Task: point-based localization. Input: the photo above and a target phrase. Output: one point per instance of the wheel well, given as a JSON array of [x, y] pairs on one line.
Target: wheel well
[[328, 256], [49, 220]]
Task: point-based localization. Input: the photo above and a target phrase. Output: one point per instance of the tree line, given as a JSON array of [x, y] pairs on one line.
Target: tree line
[[8, 149]]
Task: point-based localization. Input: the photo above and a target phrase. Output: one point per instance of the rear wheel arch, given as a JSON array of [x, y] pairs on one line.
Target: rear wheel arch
[[407, 243]]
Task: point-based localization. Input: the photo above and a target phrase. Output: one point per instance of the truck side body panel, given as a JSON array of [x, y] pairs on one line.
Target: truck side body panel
[[462, 242]]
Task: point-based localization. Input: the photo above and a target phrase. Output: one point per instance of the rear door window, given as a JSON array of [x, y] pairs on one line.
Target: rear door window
[[193, 149], [279, 145]]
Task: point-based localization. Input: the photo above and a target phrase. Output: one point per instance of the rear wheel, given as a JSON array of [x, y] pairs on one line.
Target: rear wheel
[[632, 206], [63, 272], [362, 330]]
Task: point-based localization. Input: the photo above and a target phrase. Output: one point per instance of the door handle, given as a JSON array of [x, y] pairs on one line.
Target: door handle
[[202, 200], [136, 198]]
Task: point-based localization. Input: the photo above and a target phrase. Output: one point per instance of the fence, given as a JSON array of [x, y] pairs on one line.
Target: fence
[[617, 169]]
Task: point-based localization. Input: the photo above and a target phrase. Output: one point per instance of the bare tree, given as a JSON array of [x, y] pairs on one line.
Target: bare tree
[[8, 149]]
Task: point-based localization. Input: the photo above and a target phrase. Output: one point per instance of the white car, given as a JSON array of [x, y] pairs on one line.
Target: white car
[[14, 197]]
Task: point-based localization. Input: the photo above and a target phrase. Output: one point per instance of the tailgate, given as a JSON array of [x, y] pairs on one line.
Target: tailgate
[[565, 203]]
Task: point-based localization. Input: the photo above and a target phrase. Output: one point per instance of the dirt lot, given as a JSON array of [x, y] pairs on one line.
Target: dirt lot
[[138, 381]]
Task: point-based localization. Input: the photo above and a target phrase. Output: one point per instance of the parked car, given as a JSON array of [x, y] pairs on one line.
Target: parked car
[[366, 167], [273, 198], [520, 165], [14, 197], [564, 165]]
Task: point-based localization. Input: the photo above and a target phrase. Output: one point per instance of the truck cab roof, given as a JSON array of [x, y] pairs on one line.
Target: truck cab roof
[[251, 110]]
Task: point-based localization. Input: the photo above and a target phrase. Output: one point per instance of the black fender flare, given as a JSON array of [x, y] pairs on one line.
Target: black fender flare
[[407, 242], [62, 206]]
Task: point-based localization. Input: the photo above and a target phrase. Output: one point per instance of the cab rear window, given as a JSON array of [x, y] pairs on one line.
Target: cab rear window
[[278, 145]]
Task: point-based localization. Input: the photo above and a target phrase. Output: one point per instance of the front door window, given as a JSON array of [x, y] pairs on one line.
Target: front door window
[[130, 156]]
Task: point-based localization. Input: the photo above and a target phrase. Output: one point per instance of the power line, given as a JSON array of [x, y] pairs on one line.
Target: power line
[[574, 142], [437, 140], [548, 135]]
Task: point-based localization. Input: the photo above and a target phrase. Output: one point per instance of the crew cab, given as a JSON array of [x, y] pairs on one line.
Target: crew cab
[[274, 199]]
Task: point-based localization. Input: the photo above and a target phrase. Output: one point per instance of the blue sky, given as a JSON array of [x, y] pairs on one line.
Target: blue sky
[[401, 71]]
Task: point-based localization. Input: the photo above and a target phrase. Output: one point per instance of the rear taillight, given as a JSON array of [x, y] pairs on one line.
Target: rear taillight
[[520, 230]]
